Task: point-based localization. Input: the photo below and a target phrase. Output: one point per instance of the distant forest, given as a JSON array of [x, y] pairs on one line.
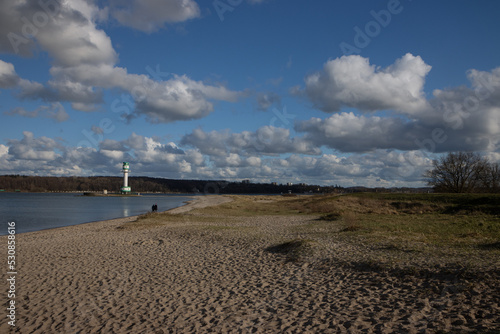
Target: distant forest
[[148, 184]]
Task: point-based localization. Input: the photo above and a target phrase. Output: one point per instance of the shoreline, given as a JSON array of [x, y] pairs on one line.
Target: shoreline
[[195, 202], [189, 199]]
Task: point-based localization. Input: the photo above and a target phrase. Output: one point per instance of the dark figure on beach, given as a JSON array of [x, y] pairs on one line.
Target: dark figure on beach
[[154, 208]]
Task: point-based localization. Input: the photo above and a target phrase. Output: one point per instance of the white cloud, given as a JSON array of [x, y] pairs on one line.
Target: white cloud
[[457, 118], [30, 148], [84, 61], [113, 145], [377, 169], [22, 112], [55, 111], [267, 140], [351, 81], [66, 30], [254, 161], [178, 98], [151, 15], [115, 155], [266, 100], [75, 40], [348, 132], [47, 156], [8, 76], [148, 156], [235, 160], [4, 150], [486, 85]]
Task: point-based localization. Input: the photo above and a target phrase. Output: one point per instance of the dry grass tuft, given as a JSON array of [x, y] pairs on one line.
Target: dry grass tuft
[[351, 221]]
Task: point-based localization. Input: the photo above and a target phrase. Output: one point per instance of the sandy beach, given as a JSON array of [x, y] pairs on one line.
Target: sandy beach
[[195, 270]]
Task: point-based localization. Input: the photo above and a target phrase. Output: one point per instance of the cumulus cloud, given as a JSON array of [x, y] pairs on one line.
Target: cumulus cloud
[[347, 132], [235, 160], [266, 100], [56, 111], [48, 156], [486, 85], [65, 29], [12, 39], [85, 63], [178, 98], [380, 168], [350, 133], [267, 140], [456, 118], [112, 145], [470, 116], [30, 148], [351, 81], [149, 156], [8, 76], [151, 15]]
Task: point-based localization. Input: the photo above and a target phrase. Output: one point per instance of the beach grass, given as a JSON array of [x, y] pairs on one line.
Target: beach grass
[[396, 222], [157, 219]]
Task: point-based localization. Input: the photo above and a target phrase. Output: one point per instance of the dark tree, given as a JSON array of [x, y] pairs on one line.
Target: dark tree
[[490, 179], [460, 172]]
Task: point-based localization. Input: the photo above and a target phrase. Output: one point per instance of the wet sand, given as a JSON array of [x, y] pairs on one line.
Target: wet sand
[[194, 275]]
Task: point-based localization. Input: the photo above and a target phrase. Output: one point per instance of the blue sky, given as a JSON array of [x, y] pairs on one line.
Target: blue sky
[[323, 92]]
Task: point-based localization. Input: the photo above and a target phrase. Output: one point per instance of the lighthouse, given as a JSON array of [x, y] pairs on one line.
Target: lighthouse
[[125, 169]]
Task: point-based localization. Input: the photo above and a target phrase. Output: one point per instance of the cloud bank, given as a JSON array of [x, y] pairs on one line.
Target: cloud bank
[[85, 62]]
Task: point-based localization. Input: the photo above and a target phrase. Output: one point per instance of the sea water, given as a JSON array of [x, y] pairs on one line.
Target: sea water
[[39, 211]]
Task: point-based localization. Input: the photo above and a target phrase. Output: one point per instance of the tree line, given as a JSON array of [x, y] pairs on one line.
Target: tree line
[[77, 183], [148, 184], [464, 172]]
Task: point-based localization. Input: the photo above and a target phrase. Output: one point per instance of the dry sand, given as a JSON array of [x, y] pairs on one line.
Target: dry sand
[[200, 202], [195, 276]]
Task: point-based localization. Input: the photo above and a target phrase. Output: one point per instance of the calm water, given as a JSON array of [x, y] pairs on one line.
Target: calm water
[[34, 212]]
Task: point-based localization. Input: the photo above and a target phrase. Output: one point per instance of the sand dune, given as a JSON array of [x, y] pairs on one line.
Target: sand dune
[[195, 277]]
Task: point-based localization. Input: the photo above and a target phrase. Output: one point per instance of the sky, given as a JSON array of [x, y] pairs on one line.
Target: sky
[[349, 93]]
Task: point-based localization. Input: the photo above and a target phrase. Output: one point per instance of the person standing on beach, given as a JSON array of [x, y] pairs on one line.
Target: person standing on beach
[[154, 208]]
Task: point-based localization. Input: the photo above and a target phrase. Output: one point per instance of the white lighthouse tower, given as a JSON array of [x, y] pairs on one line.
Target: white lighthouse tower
[[126, 169]]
